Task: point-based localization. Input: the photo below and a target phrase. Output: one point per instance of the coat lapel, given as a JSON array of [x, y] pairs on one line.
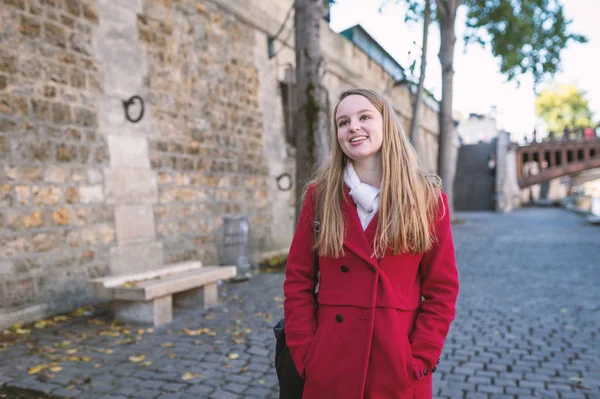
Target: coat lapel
[[357, 240]]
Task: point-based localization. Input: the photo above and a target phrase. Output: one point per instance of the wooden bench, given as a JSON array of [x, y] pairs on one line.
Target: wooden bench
[[148, 297]]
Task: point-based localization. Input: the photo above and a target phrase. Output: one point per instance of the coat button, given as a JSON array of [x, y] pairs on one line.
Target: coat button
[[434, 369], [345, 269], [373, 269], [339, 318], [425, 372]]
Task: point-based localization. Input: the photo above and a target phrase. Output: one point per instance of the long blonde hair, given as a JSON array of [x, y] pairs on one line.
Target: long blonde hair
[[409, 196]]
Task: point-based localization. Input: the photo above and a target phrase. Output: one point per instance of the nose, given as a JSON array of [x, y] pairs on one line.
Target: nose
[[354, 126]]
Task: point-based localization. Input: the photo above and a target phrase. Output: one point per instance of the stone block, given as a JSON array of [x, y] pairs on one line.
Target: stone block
[[85, 117], [91, 194], [128, 152], [66, 153], [130, 186], [55, 174], [206, 297], [138, 257], [6, 268], [55, 35], [134, 223], [156, 312], [46, 195]]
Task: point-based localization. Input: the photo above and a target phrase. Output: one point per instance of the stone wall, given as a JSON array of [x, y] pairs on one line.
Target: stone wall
[[55, 228], [208, 148], [85, 192]]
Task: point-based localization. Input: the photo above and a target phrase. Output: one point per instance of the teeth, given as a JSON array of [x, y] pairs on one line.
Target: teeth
[[357, 139]]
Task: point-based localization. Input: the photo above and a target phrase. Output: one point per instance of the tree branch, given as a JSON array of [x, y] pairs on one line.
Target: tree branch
[[455, 4], [444, 7]]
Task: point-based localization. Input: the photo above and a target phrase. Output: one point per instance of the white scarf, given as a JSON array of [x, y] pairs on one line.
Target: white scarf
[[365, 197]]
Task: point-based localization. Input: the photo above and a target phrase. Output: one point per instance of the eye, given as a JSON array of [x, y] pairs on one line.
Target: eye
[[342, 123], [363, 117]]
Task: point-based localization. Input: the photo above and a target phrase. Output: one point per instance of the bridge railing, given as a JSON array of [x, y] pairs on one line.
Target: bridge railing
[[541, 162]]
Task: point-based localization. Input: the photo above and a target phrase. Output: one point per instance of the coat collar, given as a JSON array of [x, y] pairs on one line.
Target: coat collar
[[356, 240]]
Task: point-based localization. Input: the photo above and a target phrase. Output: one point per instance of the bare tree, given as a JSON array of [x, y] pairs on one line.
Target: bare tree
[[447, 151], [311, 124], [415, 122]]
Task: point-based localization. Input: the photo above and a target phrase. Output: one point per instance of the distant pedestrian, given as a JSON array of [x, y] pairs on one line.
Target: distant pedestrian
[[589, 133], [383, 244]]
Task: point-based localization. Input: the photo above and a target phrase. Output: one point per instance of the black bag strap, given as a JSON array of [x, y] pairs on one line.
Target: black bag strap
[[317, 229]]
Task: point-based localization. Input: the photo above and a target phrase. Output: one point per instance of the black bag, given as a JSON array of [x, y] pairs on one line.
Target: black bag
[[291, 385]]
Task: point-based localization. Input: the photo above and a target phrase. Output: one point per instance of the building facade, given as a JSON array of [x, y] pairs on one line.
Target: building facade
[[88, 190]]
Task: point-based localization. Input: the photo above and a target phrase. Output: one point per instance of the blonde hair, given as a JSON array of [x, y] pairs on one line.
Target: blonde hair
[[409, 196]]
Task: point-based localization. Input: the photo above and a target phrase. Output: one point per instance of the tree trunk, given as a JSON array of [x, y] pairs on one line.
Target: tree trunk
[[447, 150], [311, 125], [415, 122]]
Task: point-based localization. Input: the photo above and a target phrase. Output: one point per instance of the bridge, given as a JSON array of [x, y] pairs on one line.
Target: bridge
[[540, 162]]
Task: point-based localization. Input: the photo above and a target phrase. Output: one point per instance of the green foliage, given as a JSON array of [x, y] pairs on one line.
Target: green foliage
[[563, 106], [527, 35]]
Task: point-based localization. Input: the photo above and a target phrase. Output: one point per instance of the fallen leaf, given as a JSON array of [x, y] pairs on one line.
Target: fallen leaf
[[167, 345], [150, 330], [141, 332], [189, 376], [96, 322], [244, 369], [233, 356], [60, 318], [37, 369], [261, 381], [43, 324], [109, 333], [137, 359], [86, 310], [172, 356], [71, 351], [55, 369], [22, 331], [198, 332], [146, 363]]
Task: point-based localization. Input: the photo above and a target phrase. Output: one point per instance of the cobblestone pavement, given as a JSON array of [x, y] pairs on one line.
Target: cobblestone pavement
[[528, 325]]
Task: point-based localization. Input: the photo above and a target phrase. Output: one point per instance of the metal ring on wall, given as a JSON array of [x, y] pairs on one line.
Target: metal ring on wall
[[282, 177], [128, 103]]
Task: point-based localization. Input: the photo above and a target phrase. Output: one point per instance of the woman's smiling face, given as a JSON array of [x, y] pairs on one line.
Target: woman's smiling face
[[359, 128]]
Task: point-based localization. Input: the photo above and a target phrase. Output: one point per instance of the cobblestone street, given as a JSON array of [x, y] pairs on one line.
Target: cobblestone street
[[528, 325]]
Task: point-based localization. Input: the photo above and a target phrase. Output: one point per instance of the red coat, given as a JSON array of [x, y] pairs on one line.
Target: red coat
[[371, 337]]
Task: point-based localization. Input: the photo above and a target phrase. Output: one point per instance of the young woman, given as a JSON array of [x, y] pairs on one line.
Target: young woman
[[388, 281]]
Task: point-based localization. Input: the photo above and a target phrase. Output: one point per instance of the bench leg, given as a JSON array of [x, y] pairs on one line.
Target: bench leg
[[156, 312], [206, 296]]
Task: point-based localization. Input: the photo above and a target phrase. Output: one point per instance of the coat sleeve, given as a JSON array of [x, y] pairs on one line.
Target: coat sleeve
[[439, 288], [299, 285]]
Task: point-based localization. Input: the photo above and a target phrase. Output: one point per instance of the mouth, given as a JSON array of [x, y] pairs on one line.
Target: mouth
[[358, 139]]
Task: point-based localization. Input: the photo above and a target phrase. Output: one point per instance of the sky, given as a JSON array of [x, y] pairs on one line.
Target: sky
[[478, 84]]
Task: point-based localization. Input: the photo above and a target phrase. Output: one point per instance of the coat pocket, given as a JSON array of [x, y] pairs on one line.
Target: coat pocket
[[311, 350]]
